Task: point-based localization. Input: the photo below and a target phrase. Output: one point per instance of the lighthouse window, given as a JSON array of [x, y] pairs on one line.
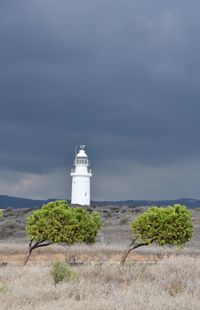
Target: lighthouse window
[[83, 161]]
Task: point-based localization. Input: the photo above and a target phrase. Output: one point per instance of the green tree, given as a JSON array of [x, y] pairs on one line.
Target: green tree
[[162, 226], [1, 213], [56, 222]]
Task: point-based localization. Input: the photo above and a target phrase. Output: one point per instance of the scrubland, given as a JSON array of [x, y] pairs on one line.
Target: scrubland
[[170, 283], [153, 278]]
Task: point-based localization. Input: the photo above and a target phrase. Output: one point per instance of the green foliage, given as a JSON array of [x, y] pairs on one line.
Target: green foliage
[[3, 289], [56, 222], [163, 226], [61, 272], [1, 212]]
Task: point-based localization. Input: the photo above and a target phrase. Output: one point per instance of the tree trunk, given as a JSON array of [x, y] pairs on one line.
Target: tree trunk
[[29, 254], [35, 246], [131, 248], [124, 257]]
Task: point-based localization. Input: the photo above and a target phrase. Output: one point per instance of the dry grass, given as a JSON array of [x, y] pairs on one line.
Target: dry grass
[[173, 283], [95, 250]]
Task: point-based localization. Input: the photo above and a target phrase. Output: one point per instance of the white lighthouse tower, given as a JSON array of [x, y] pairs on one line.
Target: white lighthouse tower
[[81, 174]]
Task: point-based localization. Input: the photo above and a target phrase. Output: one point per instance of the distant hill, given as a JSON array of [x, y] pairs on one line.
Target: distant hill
[[17, 203]]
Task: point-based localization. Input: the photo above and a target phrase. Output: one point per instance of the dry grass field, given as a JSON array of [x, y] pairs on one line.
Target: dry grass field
[[153, 278], [170, 283]]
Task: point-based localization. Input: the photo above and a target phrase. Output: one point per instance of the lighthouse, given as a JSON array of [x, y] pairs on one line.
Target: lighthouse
[[81, 174]]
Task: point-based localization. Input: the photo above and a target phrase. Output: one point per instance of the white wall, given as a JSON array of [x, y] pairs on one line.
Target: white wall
[[80, 190]]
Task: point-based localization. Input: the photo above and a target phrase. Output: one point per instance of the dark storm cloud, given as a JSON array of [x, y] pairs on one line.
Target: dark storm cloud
[[120, 76]]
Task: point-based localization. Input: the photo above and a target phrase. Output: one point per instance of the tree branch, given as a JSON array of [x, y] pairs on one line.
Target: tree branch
[[41, 245], [37, 244], [138, 245], [131, 248]]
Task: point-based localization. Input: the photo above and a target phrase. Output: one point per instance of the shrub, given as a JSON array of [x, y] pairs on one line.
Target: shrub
[[61, 272], [163, 226], [124, 220], [8, 228], [56, 222], [3, 289], [107, 214], [175, 287]]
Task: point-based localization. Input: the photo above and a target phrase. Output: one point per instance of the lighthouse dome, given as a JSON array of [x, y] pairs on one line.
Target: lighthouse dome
[[81, 153]]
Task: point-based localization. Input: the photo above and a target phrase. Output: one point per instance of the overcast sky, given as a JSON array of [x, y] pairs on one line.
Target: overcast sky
[[120, 76]]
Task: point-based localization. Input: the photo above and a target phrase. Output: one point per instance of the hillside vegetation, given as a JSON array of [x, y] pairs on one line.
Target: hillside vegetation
[[154, 278], [115, 229]]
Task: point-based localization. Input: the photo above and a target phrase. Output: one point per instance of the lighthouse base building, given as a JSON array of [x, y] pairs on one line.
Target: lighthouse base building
[[81, 174]]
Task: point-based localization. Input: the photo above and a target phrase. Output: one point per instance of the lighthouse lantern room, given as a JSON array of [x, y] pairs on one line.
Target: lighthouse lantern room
[[81, 174]]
